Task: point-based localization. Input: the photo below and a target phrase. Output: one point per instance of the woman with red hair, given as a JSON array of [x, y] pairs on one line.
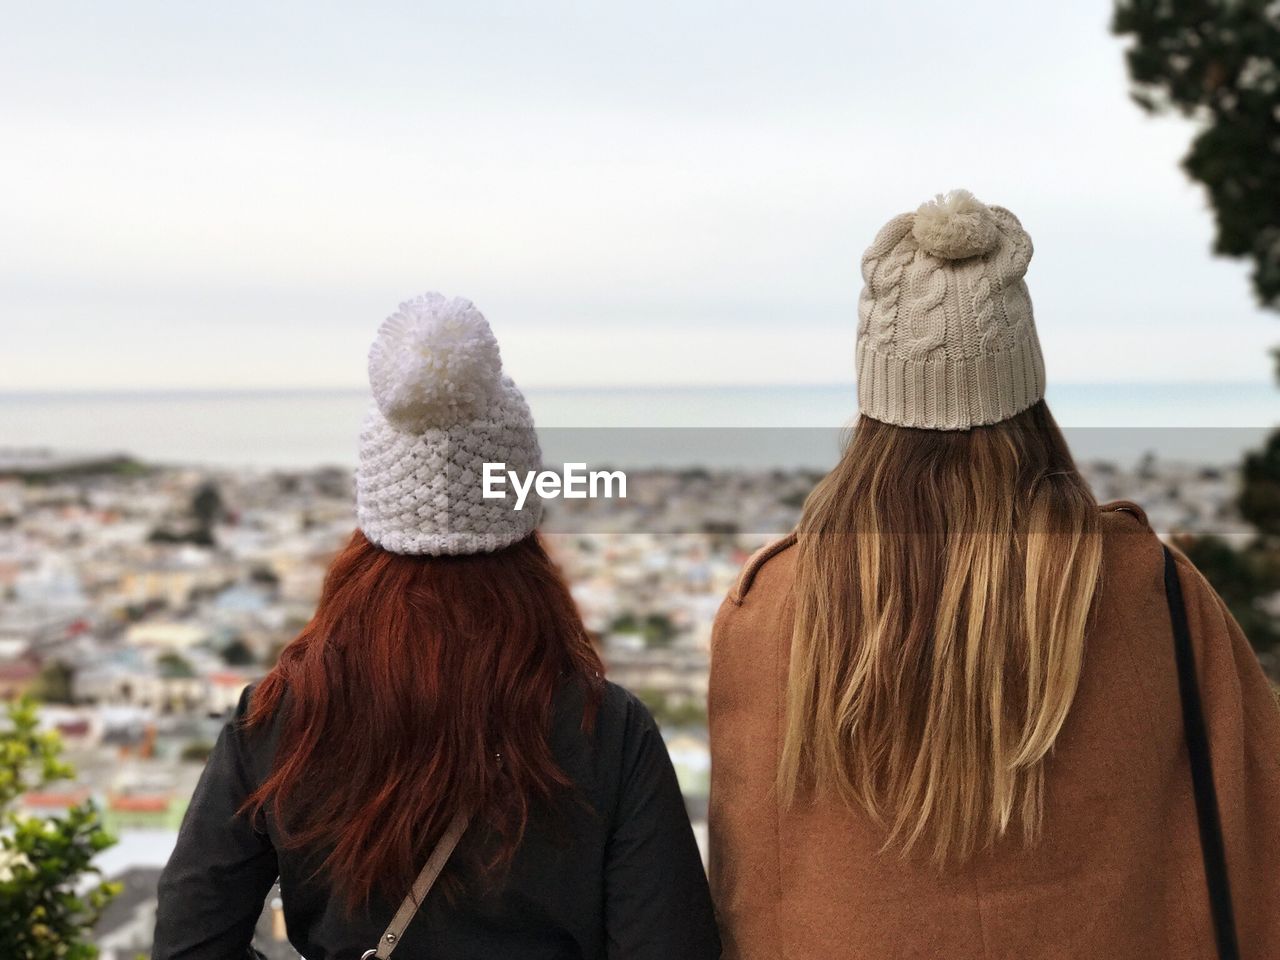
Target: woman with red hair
[[439, 738]]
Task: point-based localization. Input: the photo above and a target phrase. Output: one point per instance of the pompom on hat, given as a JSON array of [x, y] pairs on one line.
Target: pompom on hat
[[442, 409], [954, 226], [946, 335], [435, 362]]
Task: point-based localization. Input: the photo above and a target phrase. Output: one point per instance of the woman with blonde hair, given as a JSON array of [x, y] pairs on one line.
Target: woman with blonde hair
[[963, 711]]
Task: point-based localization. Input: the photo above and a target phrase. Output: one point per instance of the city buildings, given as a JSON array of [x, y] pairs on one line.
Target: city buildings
[[139, 601]]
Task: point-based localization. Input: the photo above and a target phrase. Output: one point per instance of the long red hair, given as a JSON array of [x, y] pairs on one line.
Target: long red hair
[[395, 702]]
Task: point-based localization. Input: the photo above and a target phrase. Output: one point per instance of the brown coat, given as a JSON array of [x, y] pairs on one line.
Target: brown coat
[[1117, 875]]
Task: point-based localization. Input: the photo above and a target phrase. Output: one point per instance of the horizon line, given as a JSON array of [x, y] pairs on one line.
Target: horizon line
[[143, 392]]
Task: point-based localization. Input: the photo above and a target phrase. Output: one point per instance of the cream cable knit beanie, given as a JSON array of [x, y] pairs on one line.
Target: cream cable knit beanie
[[442, 409], [946, 339]]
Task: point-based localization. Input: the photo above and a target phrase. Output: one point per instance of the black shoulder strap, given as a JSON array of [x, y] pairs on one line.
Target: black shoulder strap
[[1211, 845]]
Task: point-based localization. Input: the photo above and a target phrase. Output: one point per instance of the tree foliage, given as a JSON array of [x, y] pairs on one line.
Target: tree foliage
[[206, 505], [1244, 577], [48, 907], [671, 711], [174, 666], [1260, 489], [656, 628], [197, 751], [237, 653], [56, 682], [1218, 61]]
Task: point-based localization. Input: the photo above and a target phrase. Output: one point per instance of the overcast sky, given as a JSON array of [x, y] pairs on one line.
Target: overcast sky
[[231, 195]]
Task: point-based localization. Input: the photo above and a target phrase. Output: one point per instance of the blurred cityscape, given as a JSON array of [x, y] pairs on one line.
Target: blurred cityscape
[[137, 601]]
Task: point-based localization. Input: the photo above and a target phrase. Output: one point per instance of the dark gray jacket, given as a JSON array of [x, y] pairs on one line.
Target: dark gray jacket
[[623, 881]]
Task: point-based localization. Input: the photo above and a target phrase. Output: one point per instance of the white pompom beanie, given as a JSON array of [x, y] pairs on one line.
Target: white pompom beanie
[[946, 336], [442, 409]]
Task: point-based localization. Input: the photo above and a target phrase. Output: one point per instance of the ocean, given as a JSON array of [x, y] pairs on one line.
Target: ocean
[[642, 426]]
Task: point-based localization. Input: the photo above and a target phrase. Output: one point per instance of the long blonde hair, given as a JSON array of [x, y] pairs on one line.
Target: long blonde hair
[[944, 582]]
